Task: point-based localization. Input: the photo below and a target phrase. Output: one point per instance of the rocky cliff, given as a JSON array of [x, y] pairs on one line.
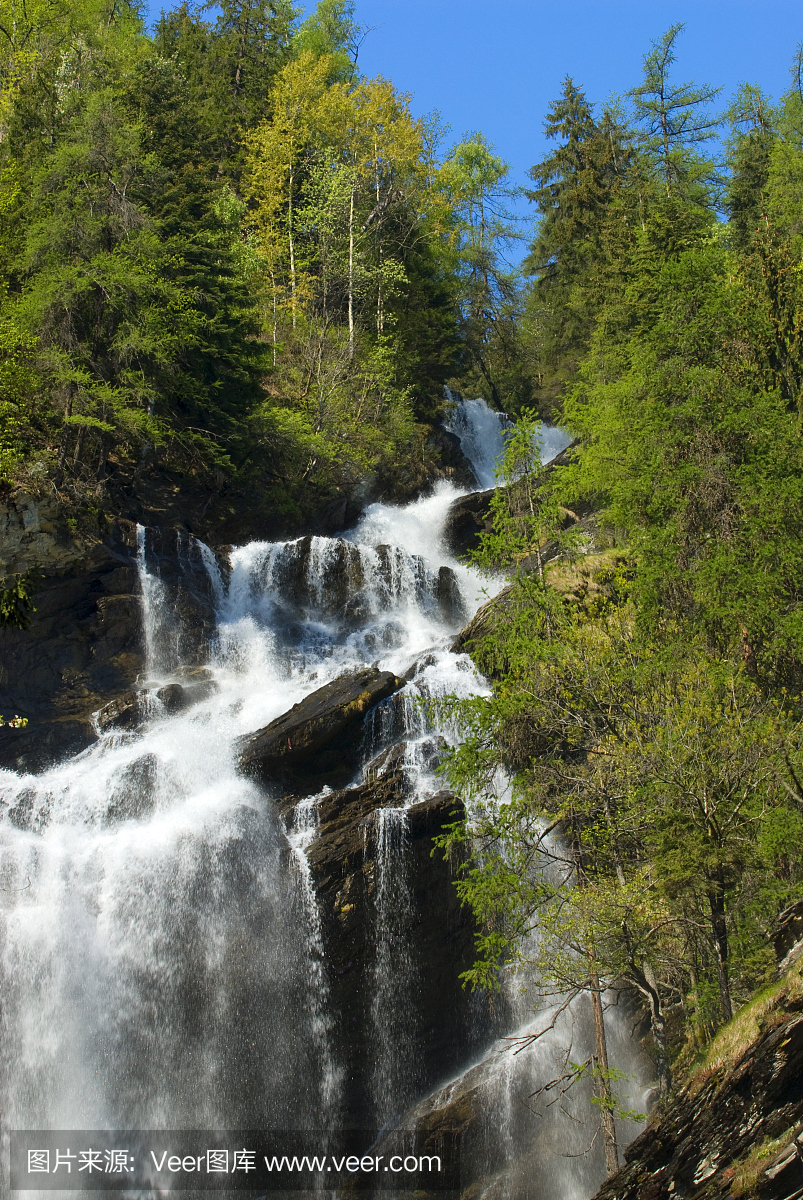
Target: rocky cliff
[[736, 1128]]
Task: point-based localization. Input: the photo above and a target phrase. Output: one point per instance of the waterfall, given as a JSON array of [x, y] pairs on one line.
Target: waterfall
[[164, 956], [482, 436]]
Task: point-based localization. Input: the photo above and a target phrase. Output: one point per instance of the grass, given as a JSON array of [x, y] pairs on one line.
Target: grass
[[732, 1040], [743, 1177]]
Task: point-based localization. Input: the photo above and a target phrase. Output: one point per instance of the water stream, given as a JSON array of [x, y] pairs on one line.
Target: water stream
[[162, 959]]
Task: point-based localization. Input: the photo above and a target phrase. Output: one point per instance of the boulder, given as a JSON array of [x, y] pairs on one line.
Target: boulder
[[134, 795], [122, 713], [487, 618], [339, 514], [30, 811], [132, 709], [470, 516], [319, 738], [450, 599]]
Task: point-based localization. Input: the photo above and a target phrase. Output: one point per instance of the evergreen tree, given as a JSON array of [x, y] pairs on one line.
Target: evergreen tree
[[675, 123], [751, 140], [576, 188]]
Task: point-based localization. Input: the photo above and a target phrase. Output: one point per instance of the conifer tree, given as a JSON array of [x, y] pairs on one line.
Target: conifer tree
[[675, 122]]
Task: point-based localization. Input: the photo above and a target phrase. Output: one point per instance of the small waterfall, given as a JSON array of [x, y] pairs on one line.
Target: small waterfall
[[156, 617], [482, 433], [303, 828]]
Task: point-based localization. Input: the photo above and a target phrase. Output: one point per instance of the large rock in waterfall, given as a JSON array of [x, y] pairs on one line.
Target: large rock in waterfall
[[434, 935], [319, 738]]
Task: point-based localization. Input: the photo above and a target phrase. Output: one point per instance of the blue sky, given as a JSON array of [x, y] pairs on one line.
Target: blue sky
[[496, 65]]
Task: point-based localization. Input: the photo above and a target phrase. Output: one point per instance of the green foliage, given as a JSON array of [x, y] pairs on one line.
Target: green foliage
[[578, 192], [674, 121], [473, 184], [16, 603]]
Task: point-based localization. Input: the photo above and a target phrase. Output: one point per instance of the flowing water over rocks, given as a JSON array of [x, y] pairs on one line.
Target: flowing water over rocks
[[224, 913]]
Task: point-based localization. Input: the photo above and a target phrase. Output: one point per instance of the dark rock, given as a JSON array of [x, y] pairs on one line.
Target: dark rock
[[470, 516], [450, 600], [344, 862], [313, 574], [320, 736], [123, 713], [30, 811], [788, 930], [188, 621], [340, 514], [85, 646], [454, 463], [695, 1146], [174, 697], [130, 710], [487, 617]]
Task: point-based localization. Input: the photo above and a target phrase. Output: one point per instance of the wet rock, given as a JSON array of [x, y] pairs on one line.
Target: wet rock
[[134, 796], [85, 648], [319, 737], [30, 811], [174, 697], [188, 621], [84, 645], [345, 864], [455, 465], [469, 517], [450, 599], [486, 619], [130, 710], [122, 713], [716, 1124], [341, 513]]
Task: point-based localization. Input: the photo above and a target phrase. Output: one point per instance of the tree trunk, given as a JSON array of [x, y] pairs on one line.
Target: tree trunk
[[351, 274], [603, 1077], [658, 1025], [719, 928], [79, 447], [292, 248]]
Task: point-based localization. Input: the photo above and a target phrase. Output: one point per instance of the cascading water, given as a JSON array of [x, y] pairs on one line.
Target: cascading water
[[163, 958], [482, 436]]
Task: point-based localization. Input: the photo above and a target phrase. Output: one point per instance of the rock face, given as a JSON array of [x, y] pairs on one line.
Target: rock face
[[85, 645], [319, 738], [346, 863], [737, 1128]]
